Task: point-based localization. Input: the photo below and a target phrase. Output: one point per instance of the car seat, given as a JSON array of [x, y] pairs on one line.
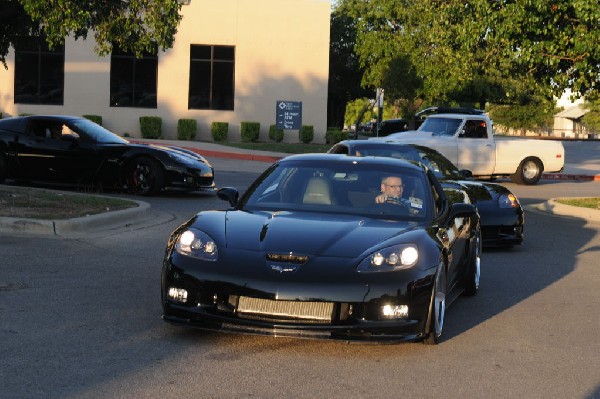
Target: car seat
[[317, 191]]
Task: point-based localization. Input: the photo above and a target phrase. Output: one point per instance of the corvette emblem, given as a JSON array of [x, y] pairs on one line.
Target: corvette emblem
[[288, 262], [283, 269]]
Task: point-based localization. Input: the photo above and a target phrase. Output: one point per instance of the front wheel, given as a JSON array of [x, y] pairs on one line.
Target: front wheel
[[144, 176], [529, 172], [438, 308]]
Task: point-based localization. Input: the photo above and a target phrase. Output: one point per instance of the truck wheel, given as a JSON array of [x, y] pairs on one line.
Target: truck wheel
[[529, 172]]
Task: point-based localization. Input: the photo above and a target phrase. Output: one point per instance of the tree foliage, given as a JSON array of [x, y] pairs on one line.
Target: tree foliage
[[344, 69], [135, 26], [592, 118], [477, 51]]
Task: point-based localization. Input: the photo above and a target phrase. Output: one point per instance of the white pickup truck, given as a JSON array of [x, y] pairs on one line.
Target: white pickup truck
[[468, 141]]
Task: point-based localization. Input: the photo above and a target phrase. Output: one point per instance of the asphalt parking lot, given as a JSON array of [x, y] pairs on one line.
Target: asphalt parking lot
[[80, 317]]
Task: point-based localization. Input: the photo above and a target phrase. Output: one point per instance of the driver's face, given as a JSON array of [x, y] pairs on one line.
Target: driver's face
[[392, 186]]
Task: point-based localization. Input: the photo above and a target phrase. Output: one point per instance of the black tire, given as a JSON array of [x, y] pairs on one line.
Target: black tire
[[529, 171], [438, 308], [3, 168], [144, 176], [474, 265]]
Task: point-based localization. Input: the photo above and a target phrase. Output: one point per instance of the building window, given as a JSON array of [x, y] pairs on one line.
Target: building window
[[133, 80], [39, 72], [212, 84]]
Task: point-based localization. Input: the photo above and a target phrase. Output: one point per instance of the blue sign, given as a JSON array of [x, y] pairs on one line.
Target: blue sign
[[288, 115]]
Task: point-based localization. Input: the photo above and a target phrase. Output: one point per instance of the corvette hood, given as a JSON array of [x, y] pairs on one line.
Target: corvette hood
[[308, 233], [478, 191], [177, 151]]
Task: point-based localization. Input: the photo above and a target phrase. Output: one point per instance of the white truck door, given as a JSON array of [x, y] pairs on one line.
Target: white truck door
[[476, 148]]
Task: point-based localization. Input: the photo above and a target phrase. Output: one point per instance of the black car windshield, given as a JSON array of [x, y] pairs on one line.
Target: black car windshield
[[341, 187], [441, 126], [92, 132]]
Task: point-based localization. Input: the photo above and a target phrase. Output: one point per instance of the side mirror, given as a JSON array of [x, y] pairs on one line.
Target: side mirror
[[466, 173], [229, 194], [460, 210]]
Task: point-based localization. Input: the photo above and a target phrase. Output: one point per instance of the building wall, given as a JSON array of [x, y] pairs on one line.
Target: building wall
[[282, 53]]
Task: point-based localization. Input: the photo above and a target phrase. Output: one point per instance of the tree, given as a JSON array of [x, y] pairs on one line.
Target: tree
[[592, 118], [344, 69], [136, 26], [517, 49]]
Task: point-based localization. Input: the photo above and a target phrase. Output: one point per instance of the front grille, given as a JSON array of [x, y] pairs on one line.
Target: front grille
[[265, 309]]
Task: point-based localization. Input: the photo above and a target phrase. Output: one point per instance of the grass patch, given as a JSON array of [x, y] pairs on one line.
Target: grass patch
[[591, 202], [288, 148], [51, 205]]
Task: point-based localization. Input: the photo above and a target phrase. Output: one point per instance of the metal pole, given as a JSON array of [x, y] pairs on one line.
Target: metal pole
[[379, 100]]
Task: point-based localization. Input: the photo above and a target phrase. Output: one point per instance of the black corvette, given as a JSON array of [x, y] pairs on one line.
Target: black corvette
[[502, 219], [73, 150], [307, 252]]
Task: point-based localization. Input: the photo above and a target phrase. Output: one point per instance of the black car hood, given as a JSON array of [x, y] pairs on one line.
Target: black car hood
[[308, 233], [478, 191], [171, 149]]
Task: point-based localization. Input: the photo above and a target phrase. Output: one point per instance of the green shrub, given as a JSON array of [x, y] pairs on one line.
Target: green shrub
[[126, 134], [335, 135], [94, 118], [307, 133], [186, 129], [151, 127], [219, 131], [250, 131], [275, 133]]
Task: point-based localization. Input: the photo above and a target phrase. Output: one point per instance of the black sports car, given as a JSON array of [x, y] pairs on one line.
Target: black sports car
[[306, 251], [73, 150], [502, 218]]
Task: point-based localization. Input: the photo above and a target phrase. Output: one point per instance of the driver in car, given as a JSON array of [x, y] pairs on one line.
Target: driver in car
[[391, 191]]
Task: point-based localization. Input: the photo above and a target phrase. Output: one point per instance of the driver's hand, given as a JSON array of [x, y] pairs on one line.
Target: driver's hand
[[381, 198]]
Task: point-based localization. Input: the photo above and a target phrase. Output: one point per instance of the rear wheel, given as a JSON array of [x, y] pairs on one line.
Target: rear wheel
[[144, 176], [529, 172], [438, 308], [474, 266]]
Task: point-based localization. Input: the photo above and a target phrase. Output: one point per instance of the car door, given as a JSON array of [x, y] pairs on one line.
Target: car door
[[35, 153], [476, 151], [457, 234]]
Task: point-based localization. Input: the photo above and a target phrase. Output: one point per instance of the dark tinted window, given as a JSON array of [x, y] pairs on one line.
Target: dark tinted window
[[39, 72], [212, 70], [133, 80]]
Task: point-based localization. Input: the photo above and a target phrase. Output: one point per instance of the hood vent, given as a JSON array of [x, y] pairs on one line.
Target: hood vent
[[288, 258]]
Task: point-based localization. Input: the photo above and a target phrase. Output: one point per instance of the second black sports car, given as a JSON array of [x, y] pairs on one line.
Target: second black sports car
[[502, 219], [74, 150]]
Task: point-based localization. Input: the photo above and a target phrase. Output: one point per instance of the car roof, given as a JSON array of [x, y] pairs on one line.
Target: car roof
[[459, 116], [342, 158], [382, 143]]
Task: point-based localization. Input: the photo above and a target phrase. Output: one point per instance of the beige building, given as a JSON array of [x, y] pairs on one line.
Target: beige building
[[232, 61]]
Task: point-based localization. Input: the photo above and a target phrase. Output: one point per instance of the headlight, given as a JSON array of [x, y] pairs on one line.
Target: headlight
[[508, 201], [197, 244], [389, 259]]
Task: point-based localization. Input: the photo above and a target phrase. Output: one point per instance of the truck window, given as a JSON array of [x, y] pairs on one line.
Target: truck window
[[474, 129]]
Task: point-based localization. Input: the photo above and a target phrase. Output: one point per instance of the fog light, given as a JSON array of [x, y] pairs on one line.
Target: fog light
[[178, 294], [394, 311]]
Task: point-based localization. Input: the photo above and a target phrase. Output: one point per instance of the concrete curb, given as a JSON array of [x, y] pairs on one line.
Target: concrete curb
[[103, 221], [565, 176], [552, 206]]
